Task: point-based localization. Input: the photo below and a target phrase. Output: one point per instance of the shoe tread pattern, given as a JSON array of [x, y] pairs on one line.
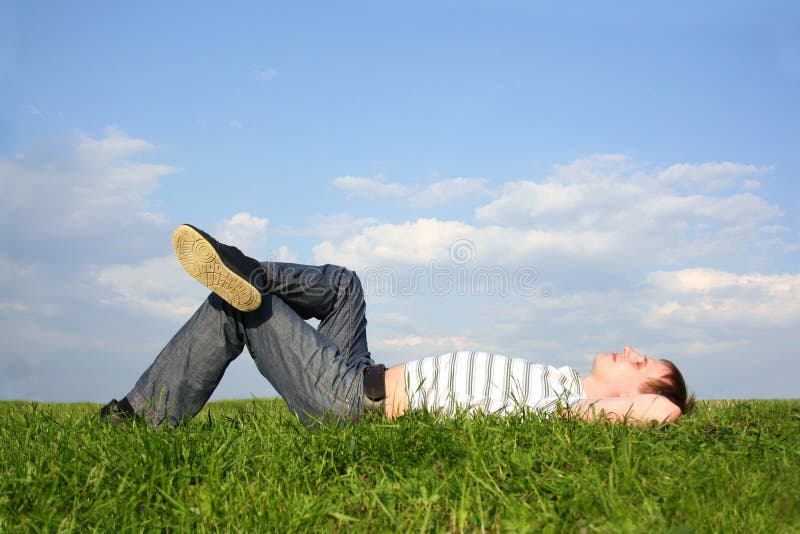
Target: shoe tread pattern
[[201, 261]]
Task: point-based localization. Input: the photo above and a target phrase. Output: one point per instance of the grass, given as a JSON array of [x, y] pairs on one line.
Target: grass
[[733, 466]]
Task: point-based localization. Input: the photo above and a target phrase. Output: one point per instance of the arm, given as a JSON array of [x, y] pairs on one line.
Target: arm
[[635, 410]]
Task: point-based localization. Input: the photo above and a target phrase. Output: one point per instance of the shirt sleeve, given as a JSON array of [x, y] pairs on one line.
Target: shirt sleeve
[[563, 388]]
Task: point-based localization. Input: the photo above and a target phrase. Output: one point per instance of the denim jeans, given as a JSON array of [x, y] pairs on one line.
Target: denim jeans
[[318, 372]]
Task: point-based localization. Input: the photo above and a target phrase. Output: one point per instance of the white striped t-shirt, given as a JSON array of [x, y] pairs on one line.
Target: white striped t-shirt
[[488, 383]]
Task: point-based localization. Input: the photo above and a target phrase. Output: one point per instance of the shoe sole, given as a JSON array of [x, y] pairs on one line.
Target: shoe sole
[[202, 262]]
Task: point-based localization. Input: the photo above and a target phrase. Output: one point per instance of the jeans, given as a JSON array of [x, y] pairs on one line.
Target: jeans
[[318, 372]]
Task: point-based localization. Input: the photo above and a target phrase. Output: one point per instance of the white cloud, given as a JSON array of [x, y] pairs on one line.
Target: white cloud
[[412, 242], [91, 186], [19, 272], [446, 191], [751, 185], [13, 306], [244, 231], [602, 209], [283, 254], [774, 229], [432, 343], [424, 240], [336, 225], [407, 341], [235, 124], [709, 176], [156, 286], [437, 193], [379, 187], [153, 218], [592, 168], [265, 74], [701, 280], [710, 296], [116, 144], [641, 212], [527, 202], [615, 204]]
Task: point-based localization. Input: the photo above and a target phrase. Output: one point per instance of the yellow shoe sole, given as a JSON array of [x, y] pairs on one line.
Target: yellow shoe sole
[[201, 261]]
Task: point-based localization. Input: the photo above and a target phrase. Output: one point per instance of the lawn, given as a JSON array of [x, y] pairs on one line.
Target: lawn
[[733, 466]]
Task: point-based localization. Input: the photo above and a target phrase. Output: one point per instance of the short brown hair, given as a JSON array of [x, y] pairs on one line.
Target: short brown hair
[[672, 386]]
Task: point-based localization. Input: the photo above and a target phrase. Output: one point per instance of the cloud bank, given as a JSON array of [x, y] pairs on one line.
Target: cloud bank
[[677, 260]]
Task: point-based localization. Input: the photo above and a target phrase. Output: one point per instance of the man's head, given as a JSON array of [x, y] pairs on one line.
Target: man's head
[[672, 386], [630, 373]]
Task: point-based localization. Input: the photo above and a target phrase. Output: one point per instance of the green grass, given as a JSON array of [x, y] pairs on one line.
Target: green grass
[[248, 466]]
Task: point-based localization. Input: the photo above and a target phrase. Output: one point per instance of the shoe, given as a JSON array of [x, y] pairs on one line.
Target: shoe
[[117, 413], [223, 269]]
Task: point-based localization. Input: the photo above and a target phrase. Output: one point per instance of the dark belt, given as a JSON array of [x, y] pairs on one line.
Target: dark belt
[[374, 382]]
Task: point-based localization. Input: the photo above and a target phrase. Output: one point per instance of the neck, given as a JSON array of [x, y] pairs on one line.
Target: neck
[[595, 388]]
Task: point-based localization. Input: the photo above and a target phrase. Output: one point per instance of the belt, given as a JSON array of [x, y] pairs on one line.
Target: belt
[[374, 382]]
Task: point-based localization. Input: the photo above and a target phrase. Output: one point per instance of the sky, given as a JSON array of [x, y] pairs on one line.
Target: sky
[[541, 180]]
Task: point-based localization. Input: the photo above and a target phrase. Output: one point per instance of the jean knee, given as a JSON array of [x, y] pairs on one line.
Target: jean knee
[[342, 278], [353, 281]]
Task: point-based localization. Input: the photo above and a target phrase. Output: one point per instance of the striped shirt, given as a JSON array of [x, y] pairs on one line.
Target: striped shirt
[[488, 383]]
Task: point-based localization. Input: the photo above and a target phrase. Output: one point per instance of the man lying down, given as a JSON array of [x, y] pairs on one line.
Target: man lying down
[[327, 373]]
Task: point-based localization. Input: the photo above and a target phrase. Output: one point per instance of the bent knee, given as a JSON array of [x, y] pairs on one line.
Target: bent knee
[[345, 277]]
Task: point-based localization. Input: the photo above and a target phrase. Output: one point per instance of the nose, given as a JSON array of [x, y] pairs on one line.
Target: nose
[[631, 354]]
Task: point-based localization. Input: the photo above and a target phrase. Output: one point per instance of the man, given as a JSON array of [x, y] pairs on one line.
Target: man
[[327, 373]]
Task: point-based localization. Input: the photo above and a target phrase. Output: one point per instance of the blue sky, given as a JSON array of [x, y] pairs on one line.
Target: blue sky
[[642, 159]]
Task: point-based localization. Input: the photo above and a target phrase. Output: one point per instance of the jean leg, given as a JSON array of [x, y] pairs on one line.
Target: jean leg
[[330, 293], [317, 372], [306, 368], [185, 373]]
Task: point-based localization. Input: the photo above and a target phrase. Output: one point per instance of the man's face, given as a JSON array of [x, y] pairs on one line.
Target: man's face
[[625, 372]]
